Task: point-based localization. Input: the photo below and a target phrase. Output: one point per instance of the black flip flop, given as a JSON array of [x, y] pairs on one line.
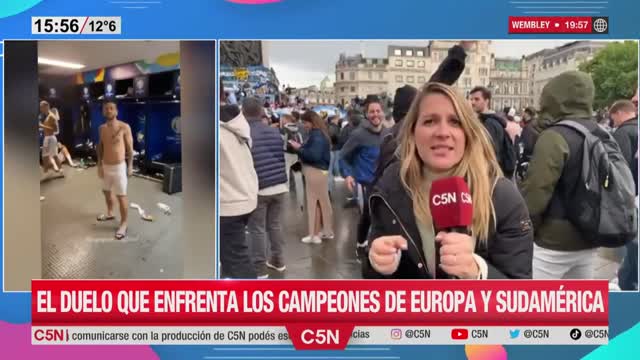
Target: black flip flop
[[120, 236], [104, 217]]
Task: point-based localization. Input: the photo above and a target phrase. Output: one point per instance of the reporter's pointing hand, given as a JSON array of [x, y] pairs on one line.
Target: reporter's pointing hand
[[384, 254]]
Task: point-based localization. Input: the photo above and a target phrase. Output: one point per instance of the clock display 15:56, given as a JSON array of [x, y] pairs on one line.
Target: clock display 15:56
[[51, 25]]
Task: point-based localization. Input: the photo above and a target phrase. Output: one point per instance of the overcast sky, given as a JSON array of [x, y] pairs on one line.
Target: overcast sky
[[305, 63]]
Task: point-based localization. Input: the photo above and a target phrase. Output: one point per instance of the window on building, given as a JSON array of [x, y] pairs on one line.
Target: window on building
[[483, 59], [436, 56], [397, 52], [352, 76], [421, 79], [370, 75], [409, 53], [369, 61], [410, 79], [421, 64], [467, 82], [410, 63], [341, 76], [467, 71], [353, 89], [398, 62], [483, 72], [342, 89], [420, 53], [380, 75], [399, 78]]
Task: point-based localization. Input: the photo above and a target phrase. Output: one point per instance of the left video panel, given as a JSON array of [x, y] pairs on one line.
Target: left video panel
[[94, 145]]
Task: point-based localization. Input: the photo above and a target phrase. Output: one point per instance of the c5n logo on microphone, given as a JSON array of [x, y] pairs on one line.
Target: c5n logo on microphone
[[450, 203], [450, 198]]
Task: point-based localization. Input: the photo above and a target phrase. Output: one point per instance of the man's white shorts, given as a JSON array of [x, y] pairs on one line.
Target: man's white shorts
[[115, 178], [49, 146]]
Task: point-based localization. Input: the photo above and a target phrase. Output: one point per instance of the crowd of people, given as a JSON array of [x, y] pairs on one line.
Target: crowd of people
[[549, 186]]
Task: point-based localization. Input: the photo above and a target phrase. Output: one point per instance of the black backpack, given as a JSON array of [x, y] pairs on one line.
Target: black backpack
[[603, 205], [506, 152]]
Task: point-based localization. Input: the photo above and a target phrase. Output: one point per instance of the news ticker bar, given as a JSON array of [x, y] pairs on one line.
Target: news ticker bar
[[263, 335], [289, 302]]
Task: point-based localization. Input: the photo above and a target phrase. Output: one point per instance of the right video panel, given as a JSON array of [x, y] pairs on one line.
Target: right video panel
[[503, 159]]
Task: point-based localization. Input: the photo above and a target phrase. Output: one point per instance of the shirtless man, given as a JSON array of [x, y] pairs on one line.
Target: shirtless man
[[49, 125], [116, 146]]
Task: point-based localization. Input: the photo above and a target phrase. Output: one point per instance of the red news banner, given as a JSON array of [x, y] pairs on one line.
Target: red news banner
[[309, 307], [550, 25]]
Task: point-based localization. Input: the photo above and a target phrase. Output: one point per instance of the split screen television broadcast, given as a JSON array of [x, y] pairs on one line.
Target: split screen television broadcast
[[429, 159], [289, 179]]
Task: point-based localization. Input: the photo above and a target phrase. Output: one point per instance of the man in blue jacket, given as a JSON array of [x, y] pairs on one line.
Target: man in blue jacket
[[359, 158], [268, 159]]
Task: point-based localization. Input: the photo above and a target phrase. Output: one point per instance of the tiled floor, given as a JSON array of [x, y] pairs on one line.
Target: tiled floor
[[76, 246]]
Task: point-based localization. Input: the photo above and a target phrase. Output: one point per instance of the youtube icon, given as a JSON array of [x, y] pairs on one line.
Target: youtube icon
[[459, 334]]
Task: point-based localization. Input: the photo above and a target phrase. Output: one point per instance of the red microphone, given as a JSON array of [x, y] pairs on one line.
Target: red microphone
[[451, 209]]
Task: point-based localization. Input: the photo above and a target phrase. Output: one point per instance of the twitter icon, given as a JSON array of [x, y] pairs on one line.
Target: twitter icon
[[514, 333]]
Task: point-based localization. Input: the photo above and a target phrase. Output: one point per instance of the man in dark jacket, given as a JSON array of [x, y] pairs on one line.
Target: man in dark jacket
[[529, 134], [528, 140], [358, 159], [561, 251], [355, 118], [401, 103], [268, 159], [625, 120], [496, 126]]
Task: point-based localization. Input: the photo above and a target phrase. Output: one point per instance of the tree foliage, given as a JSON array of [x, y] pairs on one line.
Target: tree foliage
[[614, 70]]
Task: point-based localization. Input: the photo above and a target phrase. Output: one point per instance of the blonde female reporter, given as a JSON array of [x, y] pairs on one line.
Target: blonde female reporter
[[442, 137]]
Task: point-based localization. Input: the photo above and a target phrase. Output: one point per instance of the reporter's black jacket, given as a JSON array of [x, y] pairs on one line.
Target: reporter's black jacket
[[508, 252]]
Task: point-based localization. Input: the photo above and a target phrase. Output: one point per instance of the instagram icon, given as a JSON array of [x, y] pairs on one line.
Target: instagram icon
[[396, 334]]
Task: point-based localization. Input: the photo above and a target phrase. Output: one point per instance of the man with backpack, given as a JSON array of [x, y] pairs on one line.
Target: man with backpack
[[576, 203], [496, 125]]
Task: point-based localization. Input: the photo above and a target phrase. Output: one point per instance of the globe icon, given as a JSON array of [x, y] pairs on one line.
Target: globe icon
[[600, 25]]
